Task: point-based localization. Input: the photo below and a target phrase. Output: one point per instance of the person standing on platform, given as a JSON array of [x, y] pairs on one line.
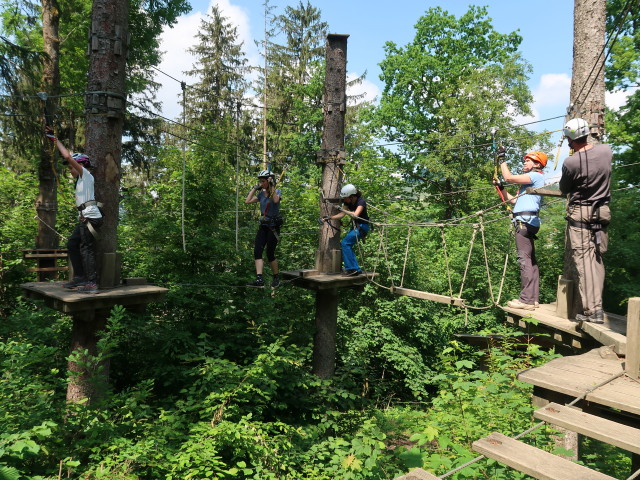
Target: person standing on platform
[[269, 228], [82, 242], [586, 179], [356, 205], [527, 223]]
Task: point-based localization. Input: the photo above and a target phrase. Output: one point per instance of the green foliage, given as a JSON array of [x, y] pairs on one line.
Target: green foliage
[[215, 381]]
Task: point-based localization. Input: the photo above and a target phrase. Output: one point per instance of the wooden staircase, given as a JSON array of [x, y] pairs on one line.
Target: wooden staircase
[[542, 465], [599, 381]]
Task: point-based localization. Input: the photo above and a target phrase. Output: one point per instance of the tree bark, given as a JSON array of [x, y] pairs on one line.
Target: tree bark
[[587, 80], [105, 106], [587, 94], [47, 202], [331, 157], [88, 378]]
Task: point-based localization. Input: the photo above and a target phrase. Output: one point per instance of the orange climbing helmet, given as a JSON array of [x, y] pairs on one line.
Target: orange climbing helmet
[[539, 157]]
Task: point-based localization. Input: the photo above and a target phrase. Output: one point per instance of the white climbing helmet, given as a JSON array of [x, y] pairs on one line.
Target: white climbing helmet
[[82, 159], [348, 190], [576, 128], [266, 174]]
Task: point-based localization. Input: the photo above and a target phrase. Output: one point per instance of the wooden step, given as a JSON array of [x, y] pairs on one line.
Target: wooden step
[[48, 269], [591, 426], [417, 474], [46, 255], [612, 332], [533, 461]]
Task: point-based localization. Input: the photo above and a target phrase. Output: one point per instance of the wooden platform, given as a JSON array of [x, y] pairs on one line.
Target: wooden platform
[[314, 280], [70, 301], [580, 336], [575, 375]]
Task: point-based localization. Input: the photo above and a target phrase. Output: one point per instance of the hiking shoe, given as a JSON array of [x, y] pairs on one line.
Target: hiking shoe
[[536, 305], [596, 317], [276, 281], [75, 282], [518, 304], [89, 287], [258, 282], [351, 273]]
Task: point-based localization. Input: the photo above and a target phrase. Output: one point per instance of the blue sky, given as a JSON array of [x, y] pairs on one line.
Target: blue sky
[[545, 25]]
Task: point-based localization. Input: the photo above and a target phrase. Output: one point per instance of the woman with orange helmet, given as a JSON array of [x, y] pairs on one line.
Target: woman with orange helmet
[[527, 222]]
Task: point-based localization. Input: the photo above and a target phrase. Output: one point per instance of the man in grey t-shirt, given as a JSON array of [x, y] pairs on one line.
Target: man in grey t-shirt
[[586, 179]]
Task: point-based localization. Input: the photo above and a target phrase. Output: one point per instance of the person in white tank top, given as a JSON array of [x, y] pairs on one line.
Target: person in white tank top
[[81, 243]]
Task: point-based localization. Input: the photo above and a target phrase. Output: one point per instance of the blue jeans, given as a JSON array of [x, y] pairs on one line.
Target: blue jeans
[[349, 240]]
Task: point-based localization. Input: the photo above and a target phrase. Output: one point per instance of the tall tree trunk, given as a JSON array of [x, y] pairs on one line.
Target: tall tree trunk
[[105, 105], [587, 80], [331, 157], [47, 202], [587, 94]]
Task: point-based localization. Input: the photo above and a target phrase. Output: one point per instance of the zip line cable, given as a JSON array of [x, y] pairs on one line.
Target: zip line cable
[[470, 134]]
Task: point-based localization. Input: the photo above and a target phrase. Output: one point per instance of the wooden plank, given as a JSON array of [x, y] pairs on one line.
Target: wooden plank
[[419, 474], [434, 297], [47, 269], [601, 429], [547, 317], [632, 366], [45, 255], [533, 461], [44, 250], [606, 336], [545, 192]]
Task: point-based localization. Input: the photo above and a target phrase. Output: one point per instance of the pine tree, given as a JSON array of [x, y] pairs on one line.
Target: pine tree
[[294, 84], [220, 68]]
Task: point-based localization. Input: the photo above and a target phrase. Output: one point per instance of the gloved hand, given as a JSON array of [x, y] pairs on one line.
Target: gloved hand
[[501, 155], [48, 132], [271, 181], [326, 218], [497, 183], [257, 187]]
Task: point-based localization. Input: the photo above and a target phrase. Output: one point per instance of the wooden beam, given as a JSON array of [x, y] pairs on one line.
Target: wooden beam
[[533, 461], [434, 297], [418, 474], [545, 192], [613, 433], [632, 363]]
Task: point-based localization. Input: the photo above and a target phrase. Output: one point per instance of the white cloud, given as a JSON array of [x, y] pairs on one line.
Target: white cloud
[[617, 99], [552, 91], [370, 90]]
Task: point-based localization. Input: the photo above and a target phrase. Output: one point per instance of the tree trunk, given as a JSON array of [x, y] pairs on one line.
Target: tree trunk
[[47, 202], [587, 93], [105, 106], [331, 157], [587, 80], [88, 377]]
